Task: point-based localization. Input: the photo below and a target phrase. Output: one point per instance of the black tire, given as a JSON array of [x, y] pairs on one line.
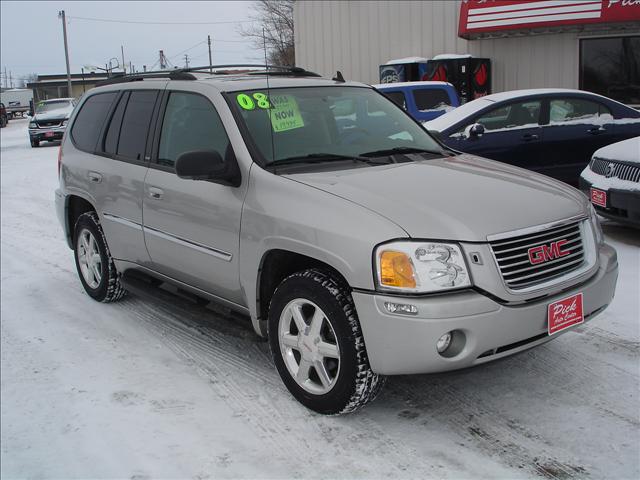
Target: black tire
[[109, 288], [3, 122], [355, 384], [35, 143]]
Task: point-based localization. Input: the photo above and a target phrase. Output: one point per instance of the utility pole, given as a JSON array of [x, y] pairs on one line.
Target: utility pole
[[66, 50], [210, 62], [186, 61], [144, 68], [10, 80], [124, 65], [5, 77], [163, 63]]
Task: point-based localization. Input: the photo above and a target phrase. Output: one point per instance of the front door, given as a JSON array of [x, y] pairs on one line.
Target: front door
[[191, 228], [512, 134]]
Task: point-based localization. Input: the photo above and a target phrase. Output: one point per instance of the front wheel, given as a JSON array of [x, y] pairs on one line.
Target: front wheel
[[35, 143], [317, 344], [96, 268]]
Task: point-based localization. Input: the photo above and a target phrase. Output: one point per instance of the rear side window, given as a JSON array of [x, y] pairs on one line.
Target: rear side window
[[90, 119], [431, 99], [190, 123], [575, 110], [397, 98], [135, 124], [113, 132]]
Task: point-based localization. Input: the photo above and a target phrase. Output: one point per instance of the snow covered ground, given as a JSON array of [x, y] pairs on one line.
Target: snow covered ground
[[142, 389]]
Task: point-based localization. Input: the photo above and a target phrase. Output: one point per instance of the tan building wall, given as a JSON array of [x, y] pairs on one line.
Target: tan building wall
[[355, 37]]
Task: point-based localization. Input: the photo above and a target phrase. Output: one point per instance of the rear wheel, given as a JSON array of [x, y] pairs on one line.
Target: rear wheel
[[3, 122], [317, 344], [95, 266]]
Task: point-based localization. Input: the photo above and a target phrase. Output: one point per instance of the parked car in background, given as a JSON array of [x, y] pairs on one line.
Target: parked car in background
[[4, 118], [355, 242], [550, 131], [612, 181], [423, 100], [50, 120]]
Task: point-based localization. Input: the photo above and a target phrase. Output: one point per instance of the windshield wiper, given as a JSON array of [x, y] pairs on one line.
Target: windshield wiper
[[322, 158], [402, 150]]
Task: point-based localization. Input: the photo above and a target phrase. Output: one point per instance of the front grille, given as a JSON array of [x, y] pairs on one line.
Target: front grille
[[48, 123], [611, 169], [518, 272]]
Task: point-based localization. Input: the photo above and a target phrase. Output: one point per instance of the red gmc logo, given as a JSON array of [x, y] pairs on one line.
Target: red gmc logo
[[544, 253]]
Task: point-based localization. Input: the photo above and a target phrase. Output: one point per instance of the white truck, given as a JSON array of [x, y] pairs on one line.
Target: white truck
[[17, 101]]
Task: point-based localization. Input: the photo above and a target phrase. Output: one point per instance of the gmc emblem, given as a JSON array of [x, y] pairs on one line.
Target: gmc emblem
[[545, 253]]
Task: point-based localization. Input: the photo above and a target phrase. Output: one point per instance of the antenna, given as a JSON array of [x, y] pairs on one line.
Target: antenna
[[266, 65]]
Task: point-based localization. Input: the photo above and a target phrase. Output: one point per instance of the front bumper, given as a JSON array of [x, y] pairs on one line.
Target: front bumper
[[622, 205], [400, 344], [46, 134]]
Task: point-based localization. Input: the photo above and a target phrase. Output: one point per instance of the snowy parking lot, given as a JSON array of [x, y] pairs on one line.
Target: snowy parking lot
[[141, 389]]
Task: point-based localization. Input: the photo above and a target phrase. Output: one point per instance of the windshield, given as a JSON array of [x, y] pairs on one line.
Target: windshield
[[50, 106], [339, 121]]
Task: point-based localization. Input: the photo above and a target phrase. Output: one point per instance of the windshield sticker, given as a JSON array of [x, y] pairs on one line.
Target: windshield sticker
[[285, 114]]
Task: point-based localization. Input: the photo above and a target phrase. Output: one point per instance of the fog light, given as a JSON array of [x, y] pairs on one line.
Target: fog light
[[401, 308], [443, 342]]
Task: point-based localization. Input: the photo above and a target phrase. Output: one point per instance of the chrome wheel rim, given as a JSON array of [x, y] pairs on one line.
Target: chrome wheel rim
[[309, 346], [89, 258]]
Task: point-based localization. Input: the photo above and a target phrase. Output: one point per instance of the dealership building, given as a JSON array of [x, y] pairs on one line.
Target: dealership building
[[588, 44]]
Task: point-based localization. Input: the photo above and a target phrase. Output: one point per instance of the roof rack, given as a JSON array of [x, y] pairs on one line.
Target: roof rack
[[185, 73]]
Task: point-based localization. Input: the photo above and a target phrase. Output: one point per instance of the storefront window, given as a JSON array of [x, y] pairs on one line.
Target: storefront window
[[611, 67]]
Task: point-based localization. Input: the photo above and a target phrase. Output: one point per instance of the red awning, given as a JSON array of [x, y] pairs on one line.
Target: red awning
[[479, 17]]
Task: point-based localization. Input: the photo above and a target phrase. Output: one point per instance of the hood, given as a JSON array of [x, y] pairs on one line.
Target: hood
[[625, 151], [463, 198], [57, 114]]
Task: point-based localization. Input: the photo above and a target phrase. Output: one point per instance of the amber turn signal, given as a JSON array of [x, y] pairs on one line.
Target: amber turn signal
[[396, 270]]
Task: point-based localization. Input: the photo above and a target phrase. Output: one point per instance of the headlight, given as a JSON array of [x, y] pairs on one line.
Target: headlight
[[420, 267], [595, 224], [33, 125]]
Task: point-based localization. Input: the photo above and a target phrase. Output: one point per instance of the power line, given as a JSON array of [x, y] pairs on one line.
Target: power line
[[187, 49], [140, 22]]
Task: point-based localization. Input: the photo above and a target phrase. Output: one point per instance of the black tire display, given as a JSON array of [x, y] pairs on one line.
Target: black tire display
[[313, 324], [95, 266]]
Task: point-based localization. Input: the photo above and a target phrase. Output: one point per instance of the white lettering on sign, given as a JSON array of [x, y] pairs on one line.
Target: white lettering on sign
[[624, 3], [565, 310]]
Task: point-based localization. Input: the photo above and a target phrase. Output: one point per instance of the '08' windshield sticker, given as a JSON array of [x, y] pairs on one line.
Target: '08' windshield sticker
[[283, 109]]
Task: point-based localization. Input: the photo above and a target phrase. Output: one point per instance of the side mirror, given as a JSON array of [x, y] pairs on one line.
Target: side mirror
[[476, 130], [207, 165]]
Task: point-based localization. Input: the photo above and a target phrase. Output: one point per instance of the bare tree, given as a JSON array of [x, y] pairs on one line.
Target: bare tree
[[275, 19]]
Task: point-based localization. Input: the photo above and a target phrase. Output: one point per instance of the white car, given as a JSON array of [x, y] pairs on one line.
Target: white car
[[612, 181]]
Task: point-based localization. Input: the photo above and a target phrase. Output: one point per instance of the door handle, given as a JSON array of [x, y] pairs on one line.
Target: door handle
[[527, 137], [155, 192], [95, 177], [597, 130]]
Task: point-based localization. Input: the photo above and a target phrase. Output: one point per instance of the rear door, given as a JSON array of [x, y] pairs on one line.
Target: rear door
[[512, 134], [115, 167], [192, 227]]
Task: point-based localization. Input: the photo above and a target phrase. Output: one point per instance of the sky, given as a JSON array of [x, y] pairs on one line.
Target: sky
[[31, 34]]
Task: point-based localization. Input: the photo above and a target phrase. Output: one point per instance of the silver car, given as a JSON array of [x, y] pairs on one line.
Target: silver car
[[359, 245]]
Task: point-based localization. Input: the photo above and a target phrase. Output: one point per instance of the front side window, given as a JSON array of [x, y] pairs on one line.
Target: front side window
[[430, 99], [90, 119], [514, 115], [397, 98], [190, 123], [575, 110], [290, 123], [135, 124]]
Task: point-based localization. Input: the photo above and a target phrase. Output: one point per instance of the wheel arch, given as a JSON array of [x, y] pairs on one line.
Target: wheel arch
[[75, 205], [277, 264]]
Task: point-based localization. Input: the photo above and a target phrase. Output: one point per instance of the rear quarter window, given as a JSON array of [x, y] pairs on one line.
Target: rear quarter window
[[431, 99], [90, 119]]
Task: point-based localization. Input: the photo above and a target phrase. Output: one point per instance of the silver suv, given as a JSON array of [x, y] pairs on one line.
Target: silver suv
[[359, 245]]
